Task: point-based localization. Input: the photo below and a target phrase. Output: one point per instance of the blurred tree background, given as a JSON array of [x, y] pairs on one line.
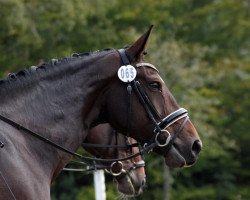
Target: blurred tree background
[[202, 50]]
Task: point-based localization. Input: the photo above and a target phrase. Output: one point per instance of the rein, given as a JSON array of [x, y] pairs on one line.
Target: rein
[[88, 160], [88, 145], [61, 148]]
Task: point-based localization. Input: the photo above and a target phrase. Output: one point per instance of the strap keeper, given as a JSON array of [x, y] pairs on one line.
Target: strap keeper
[[129, 88]]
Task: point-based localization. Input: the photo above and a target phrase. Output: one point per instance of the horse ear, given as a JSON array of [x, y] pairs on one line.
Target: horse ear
[[136, 51]]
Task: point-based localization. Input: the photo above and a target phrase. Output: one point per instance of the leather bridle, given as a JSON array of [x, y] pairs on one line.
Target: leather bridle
[[161, 137]]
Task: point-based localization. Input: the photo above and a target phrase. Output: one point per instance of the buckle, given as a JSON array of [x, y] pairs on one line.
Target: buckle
[[116, 168], [166, 142]]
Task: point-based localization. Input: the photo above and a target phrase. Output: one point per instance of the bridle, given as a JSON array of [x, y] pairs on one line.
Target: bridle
[[161, 137], [116, 168]]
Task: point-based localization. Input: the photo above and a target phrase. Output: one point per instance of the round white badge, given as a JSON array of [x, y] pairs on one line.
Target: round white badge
[[127, 73]]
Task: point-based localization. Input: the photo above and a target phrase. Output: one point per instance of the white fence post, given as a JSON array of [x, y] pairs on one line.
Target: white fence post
[[99, 181]]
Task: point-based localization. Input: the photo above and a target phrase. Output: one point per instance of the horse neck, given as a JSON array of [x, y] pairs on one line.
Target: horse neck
[[61, 104]]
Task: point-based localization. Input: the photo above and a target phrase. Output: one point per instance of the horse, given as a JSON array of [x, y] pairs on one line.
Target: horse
[[103, 141], [46, 113]]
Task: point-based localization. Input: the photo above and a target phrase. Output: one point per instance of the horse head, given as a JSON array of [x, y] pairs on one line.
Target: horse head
[[144, 107]]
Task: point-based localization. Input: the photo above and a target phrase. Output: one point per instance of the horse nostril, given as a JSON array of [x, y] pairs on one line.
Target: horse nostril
[[196, 148]]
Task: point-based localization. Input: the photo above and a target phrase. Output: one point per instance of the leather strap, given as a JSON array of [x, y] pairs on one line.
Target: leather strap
[[124, 57]]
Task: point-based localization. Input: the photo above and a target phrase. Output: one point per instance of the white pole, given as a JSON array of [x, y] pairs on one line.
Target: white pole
[[99, 181]]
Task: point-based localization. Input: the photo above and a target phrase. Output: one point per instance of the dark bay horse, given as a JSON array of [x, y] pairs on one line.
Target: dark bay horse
[[63, 100], [131, 178]]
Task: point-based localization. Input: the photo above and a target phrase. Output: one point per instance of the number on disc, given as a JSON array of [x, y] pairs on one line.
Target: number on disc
[[126, 73]]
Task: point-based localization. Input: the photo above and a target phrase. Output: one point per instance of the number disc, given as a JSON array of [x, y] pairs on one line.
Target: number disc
[[126, 73]]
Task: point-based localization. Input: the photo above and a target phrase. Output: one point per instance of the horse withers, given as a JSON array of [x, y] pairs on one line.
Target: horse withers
[[61, 101]]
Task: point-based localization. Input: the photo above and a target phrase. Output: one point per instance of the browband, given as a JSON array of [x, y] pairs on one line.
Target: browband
[[144, 64], [125, 61]]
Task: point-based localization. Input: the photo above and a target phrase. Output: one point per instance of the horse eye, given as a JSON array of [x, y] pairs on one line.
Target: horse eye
[[155, 85]]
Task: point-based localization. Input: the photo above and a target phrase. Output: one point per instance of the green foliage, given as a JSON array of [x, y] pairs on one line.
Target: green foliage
[[195, 193], [202, 49]]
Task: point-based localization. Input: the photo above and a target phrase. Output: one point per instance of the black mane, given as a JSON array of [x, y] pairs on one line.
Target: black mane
[[44, 66]]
